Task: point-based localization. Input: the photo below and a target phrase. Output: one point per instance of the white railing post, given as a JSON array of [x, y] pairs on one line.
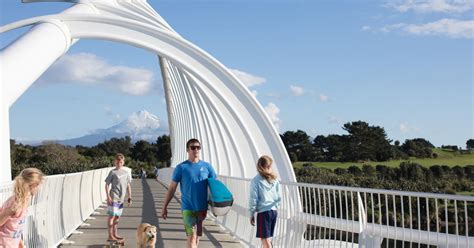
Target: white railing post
[[366, 240], [55, 213], [370, 213]]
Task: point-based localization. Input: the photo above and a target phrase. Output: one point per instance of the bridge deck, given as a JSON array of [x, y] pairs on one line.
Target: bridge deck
[[148, 196]]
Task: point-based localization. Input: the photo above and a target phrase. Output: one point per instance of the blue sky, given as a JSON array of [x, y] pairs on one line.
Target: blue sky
[[314, 65]]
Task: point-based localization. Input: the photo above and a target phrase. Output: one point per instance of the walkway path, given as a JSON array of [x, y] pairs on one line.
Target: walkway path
[[148, 196]]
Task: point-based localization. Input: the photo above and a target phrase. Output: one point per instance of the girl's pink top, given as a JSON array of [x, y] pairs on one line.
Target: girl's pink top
[[12, 231]]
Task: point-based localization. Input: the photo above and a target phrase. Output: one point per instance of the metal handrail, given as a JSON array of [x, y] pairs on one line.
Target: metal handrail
[[315, 215], [62, 204], [310, 215]]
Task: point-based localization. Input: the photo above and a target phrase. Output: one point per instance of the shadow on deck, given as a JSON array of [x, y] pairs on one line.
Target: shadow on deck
[[148, 197]]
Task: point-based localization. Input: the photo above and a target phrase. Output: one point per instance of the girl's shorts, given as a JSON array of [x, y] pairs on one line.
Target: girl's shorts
[[266, 223]]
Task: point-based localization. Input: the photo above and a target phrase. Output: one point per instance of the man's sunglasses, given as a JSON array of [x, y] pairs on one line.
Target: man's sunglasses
[[195, 147]]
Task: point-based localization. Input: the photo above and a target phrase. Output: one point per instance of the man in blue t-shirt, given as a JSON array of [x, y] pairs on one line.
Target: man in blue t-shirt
[[192, 174]]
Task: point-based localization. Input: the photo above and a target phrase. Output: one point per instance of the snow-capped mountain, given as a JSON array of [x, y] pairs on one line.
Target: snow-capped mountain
[[141, 125]]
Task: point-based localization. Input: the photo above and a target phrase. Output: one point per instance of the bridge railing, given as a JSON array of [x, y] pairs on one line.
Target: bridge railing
[[313, 215], [62, 204]]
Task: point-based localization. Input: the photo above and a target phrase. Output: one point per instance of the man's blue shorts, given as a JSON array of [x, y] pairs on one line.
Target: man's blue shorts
[[266, 224]]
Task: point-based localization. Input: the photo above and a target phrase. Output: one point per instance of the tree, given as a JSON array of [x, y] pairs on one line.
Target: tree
[[20, 153], [145, 152], [298, 143], [12, 150], [450, 147], [412, 171], [367, 142], [470, 144], [418, 147], [321, 146], [437, 171], [385, 173], [57, 153], [163, 147], [116, 145], [354, 170], [333, 147], [91, 152], [53, 158], [293, 157], [397, 153], [469, 172], [368, 170]]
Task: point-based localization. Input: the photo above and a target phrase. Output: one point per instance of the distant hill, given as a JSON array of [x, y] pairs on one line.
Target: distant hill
[[445, 157], [141, 125]]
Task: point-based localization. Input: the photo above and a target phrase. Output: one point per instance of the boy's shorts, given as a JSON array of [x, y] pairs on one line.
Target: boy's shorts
[[193, 221], [115, 209], [266, 224]]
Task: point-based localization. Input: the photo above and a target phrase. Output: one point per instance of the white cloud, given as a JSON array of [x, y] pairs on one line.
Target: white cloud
[[445, 27], [392, 27], [323, 98], [248, 79], [109, 112], [406, 128], [334, 120], [87, 68], [366, 28], [448, 27], [274, 95], [427, 6], [272, 111], [254, 93], [297, 90]]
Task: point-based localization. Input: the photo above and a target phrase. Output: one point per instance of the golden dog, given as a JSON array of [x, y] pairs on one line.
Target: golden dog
[[146, 235]]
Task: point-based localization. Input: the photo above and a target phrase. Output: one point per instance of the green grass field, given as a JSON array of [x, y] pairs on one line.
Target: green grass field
[[445, 157]]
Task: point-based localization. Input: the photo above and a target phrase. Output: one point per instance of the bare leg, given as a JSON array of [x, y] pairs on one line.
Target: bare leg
[[266, 243], [192, 241], [110, 226], [116, 221]]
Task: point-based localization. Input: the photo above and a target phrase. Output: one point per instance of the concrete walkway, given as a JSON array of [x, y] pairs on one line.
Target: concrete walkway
[[148, 197]]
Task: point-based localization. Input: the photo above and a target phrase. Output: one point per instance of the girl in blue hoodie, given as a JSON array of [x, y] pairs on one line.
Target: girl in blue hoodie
[[265, 197]]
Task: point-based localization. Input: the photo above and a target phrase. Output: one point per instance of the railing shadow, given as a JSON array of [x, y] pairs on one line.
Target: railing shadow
[[149, 211], [211, 237]]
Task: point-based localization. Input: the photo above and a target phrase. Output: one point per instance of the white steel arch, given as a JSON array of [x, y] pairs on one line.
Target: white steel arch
[[204, 99]]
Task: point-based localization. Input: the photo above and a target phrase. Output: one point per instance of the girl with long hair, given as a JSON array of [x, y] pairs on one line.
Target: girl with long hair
[[265, 197], [14, 210]]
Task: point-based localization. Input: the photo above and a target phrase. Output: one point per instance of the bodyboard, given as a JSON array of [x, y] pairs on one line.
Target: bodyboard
[[220, 198]]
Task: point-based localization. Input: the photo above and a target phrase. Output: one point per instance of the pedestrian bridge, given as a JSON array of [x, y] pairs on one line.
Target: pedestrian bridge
[[69, 210], [204, 100]]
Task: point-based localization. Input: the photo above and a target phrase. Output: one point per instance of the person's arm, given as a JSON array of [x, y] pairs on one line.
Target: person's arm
[[6, 212], [5, 215], [253, 199], [21, 244], [212, 172], [107, 192], [129, 191], [175, 179], [108, 180], [169, 195], [278, 191]]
